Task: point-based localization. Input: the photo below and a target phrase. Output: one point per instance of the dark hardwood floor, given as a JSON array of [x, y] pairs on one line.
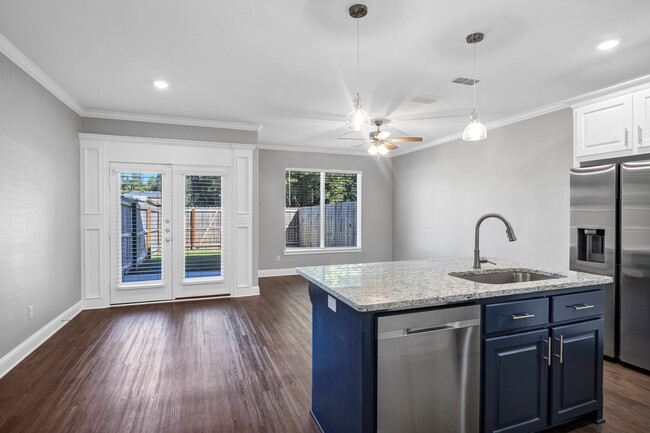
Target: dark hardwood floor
[[222, 365]]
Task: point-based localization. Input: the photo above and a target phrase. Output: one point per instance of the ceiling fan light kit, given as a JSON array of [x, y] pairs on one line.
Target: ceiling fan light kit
[[379, 142], [475, 130], [358, 119]]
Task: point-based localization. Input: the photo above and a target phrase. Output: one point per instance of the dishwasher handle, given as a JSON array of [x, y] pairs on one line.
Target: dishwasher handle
[[428, 329]]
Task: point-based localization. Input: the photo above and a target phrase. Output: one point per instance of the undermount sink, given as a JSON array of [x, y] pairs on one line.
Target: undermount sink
[[505, 277]]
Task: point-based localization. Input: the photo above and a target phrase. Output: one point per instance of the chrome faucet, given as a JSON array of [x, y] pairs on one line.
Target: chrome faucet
[[509, 231]]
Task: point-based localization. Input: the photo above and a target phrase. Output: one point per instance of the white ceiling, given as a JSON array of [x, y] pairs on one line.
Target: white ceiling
[[290, 65]]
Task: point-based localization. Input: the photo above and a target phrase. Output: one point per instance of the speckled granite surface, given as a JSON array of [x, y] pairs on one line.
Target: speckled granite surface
[[422, 283]]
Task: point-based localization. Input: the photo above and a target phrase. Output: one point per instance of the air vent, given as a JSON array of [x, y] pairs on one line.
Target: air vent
[[466, 81], [426, 99]]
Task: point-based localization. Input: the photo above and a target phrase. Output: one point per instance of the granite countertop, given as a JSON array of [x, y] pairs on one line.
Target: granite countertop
[[422, 283]]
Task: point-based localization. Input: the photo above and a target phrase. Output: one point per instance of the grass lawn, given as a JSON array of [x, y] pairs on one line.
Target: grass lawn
[[198, 264]]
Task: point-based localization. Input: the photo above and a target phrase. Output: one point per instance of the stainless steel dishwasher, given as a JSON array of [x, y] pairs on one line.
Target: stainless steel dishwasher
[[428, 371]]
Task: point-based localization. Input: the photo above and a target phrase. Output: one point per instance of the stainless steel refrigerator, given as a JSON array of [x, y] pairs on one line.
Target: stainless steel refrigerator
[[610, 235]]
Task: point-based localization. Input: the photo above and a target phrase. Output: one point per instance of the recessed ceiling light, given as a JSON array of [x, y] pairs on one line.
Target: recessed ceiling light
[[608, 45], [161, 84]]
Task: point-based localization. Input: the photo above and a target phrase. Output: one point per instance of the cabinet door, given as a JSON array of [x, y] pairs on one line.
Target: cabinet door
[[516, 382], [604, 128], [642, 120], [576, 378]]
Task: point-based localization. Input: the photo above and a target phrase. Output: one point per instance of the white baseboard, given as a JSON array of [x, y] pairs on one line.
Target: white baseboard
[[276, 272], [11, 359], [246, 291]]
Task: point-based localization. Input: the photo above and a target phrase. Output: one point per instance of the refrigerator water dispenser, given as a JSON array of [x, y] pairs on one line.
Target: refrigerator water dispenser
[[591, 245]]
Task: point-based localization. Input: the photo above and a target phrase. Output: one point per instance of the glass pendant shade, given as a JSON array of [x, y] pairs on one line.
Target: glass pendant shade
[[383, 150], [373, 150], [358, 119], [475, 130]]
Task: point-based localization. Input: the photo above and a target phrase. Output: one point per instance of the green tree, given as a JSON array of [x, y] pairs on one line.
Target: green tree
[[140, 182], [340, 187], [302, 188], [203, 191]]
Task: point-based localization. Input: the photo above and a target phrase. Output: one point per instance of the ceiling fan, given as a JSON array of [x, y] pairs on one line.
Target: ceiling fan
[[379, 142]]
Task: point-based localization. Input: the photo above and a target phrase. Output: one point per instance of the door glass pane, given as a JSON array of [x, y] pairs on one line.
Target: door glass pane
[[203, 224], [141, 237], [340, 210], [302, 209]]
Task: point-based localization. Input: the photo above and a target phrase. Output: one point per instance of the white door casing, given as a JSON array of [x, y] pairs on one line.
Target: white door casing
[[98, 151]]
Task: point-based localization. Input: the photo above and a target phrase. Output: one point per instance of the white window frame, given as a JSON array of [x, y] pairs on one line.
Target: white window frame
[[288, 251]]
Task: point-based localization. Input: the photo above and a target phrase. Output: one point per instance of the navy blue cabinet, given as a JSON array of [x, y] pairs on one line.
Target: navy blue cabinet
[[577, 370], [516, 382], [532, 381]]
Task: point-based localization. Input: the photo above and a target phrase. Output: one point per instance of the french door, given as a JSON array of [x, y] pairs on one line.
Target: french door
[[167, 232]]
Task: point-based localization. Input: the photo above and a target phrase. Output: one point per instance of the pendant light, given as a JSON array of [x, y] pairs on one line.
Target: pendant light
[[475, 130], [358, 119]]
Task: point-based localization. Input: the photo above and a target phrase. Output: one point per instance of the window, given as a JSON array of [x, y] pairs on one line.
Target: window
[[202, 226], [322, 210]]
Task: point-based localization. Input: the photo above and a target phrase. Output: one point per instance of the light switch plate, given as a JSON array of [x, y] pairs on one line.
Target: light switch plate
[[331, 303]]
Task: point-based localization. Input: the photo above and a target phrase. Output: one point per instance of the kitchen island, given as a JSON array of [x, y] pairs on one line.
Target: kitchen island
[[538, 351]]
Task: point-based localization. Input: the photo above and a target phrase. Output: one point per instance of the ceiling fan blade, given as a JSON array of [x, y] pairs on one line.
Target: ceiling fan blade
[[346, 138], [383, 135], [405, 139], [389, 146], [359, 145]]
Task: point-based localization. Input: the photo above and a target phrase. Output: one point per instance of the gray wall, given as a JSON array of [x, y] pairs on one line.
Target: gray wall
[[520, 171], [39, 206], [159, 130], [376, 220]]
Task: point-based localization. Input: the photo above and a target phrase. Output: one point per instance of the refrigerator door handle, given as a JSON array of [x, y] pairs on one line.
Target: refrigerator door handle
[[593, 170]]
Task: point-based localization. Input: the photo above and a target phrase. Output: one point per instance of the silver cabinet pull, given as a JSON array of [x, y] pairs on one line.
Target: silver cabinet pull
[[627, 134], [582, 307], [640, 135], [561, 355], [548, 358], [521, 316]]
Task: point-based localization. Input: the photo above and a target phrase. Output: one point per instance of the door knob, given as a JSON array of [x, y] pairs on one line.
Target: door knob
[[168, 239]]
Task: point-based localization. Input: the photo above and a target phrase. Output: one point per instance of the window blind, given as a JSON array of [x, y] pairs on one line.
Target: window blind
[[302, 209], [203, 227], [321, 209], [140, 222], [340, 210]]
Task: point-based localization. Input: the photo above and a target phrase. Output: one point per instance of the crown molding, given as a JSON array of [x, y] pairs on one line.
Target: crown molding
[[526, 115], [347, 152], [21, 60], [169, 120], [620, 89], [104, 138]]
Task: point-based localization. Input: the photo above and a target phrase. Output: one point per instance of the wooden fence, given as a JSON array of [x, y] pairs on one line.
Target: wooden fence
[[302, 225], [141, 231], [202, 228]]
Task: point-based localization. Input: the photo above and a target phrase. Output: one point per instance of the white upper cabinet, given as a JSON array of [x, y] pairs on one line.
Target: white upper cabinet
[[642, 120], [612, 128], [604, 128]]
